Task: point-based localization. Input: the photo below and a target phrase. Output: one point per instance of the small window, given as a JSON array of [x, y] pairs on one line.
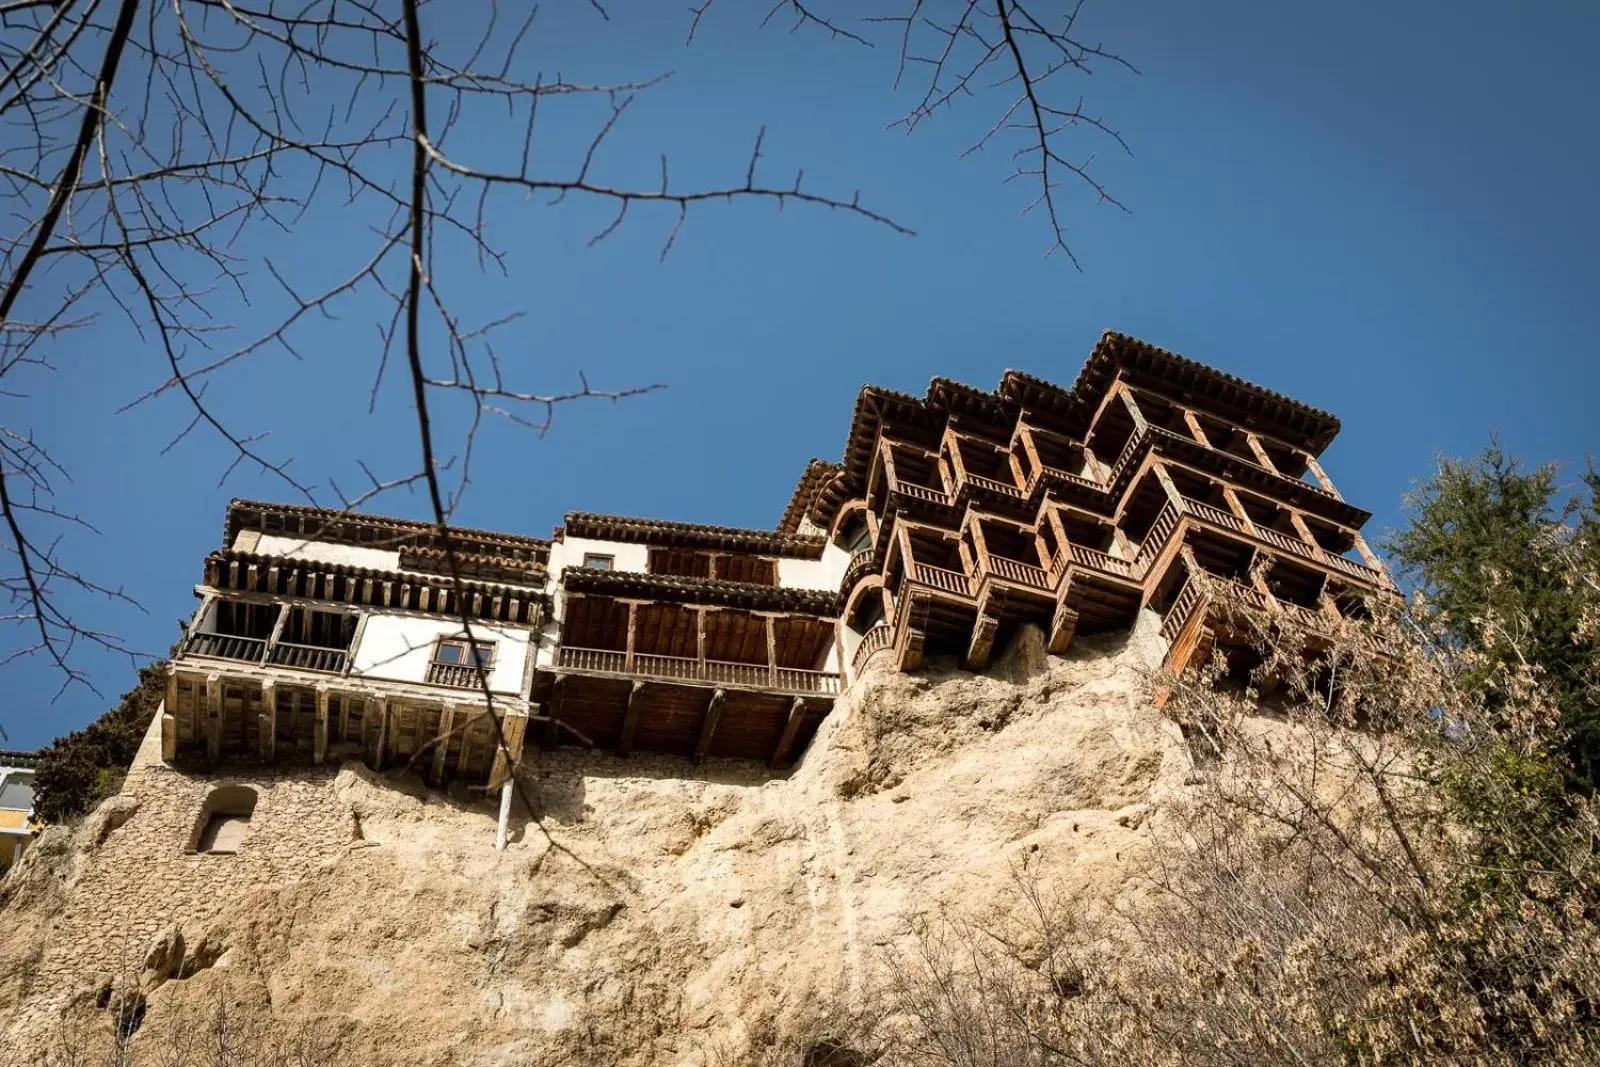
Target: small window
[[453, 663], [459, 653], [599, 561], [224, 820]]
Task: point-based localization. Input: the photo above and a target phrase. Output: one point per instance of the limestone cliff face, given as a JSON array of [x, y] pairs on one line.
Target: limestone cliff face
[[665, 914]]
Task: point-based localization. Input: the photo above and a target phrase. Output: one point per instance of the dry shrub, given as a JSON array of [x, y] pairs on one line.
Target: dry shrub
[[1375, 866]]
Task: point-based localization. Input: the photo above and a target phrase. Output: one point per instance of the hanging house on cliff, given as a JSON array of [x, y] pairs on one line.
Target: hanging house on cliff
[[1152, 483]]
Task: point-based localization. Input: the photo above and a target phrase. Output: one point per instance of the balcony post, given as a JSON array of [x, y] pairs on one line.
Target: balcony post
[[319, 743], [1372, 558], [441, 743], [1258, 576], [213, 717], [355, 643], [1237, 508], [1321, 476], [1195, 428], [772, 653], [1140, 423], [633, 622], [1303, 530], [1167, 484], [277, 632], [1260, 453], [379, 708], [700, 636], [267, 722], [1092, 464]]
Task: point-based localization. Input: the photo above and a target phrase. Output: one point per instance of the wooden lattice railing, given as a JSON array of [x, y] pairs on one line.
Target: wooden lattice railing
[[227, 646], [1021, 573], [685, 669], [876, 639], [307, 657]]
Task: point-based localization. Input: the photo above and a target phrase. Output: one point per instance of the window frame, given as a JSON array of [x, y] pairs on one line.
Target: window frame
[[590, 561], [486, 651]]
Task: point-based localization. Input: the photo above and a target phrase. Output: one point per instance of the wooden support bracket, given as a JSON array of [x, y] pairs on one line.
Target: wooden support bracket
[[267, 724], [797, 714], [1063, 627], [708, 726], [982, 643], [630, 719]]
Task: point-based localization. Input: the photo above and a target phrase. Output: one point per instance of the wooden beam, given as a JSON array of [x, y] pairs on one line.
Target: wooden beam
[[319, 744], [1371, 558], [441, 743], [708, 725], [213, 717], [267, 722], [1097, 470], [982, 642], [277, 631], [630, 719], [1195, 427], [797, 714], [700, 634]]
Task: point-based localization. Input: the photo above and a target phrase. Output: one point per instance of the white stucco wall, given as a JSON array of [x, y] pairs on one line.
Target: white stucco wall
[[570, 552], [400, 647], [824, 573], [386, 559]]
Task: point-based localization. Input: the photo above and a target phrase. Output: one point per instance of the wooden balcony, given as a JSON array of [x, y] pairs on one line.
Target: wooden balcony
[[698, 671], [862, 563], [456, 675], [307, 657], [1220, 519], [227, 646], [1020, 573], [920, 493], [876, 639], [946, 581]]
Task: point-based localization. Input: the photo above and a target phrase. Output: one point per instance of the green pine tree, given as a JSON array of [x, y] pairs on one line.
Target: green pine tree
[[1492, 543]]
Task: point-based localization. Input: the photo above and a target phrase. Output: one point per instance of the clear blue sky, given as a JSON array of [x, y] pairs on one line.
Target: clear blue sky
[[1384, 210]]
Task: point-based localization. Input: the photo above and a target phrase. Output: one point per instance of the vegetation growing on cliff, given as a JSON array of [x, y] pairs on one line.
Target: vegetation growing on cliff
[[79, 770]]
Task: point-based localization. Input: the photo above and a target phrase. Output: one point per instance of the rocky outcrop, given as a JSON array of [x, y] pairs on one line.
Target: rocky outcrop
[[657, 913]]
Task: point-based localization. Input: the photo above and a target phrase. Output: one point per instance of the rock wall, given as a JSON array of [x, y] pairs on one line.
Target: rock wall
[[657, 914]]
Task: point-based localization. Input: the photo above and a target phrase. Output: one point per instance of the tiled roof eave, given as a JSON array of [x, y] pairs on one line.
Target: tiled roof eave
[[819, 602], [666, 533]]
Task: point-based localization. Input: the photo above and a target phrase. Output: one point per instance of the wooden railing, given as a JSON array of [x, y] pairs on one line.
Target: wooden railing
[[1096, 560], [307, 657], [1190, 598], [1155, 539], [860, 566], [1072, 479], [994, 485], [939, 578], [459, 675], [227, 646], [1021, 573], [922, 492], [878, 638], [685, 669], [594, 659], [1293, 545]]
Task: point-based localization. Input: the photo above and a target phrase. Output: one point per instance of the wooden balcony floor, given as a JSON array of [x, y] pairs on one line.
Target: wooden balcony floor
[[669, 717]]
